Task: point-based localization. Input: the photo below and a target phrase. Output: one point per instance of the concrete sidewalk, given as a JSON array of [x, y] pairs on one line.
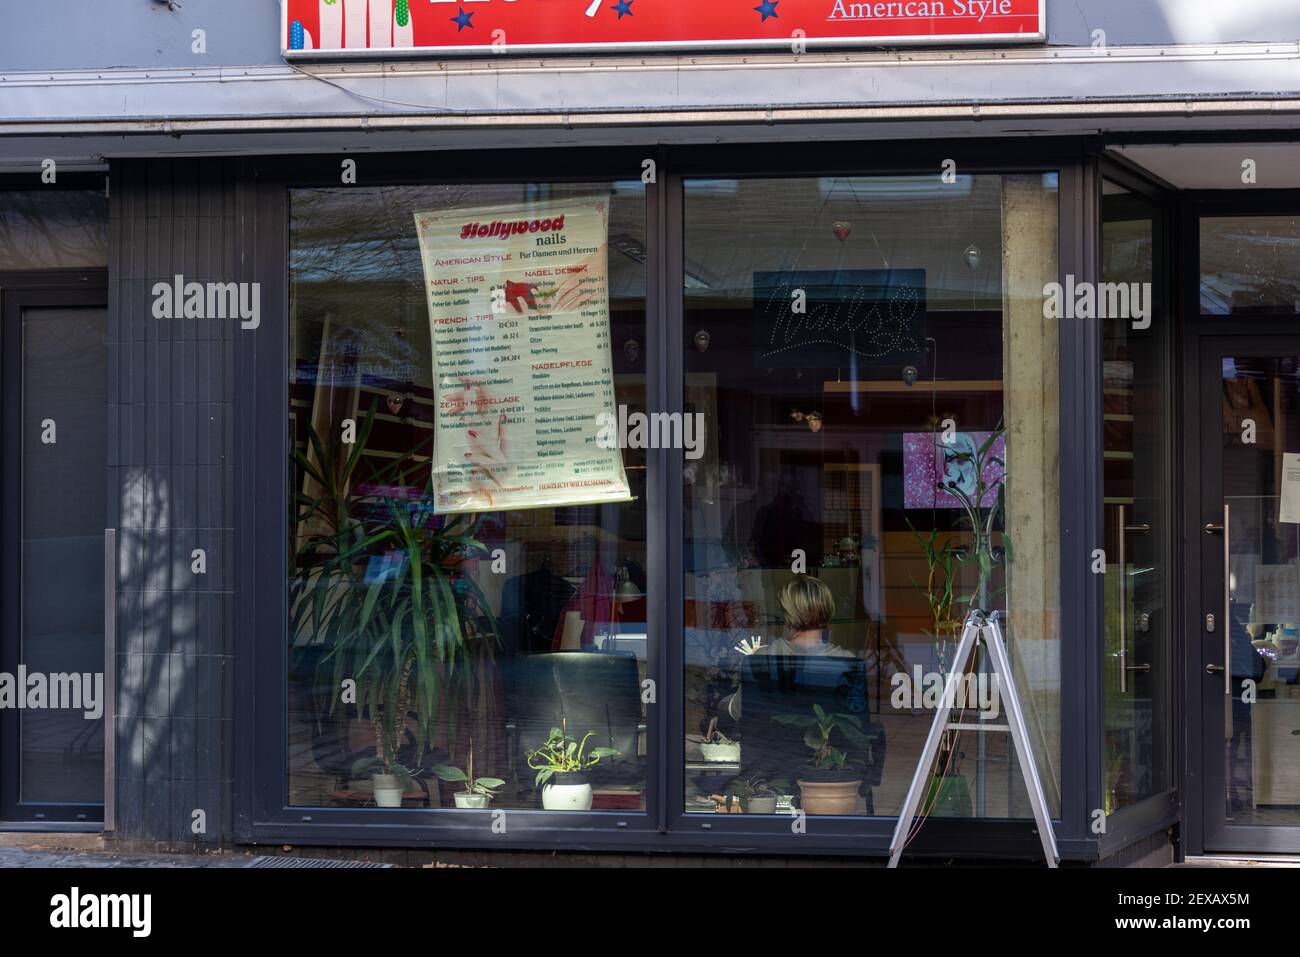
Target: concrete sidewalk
[[19, 849], [27, 857]]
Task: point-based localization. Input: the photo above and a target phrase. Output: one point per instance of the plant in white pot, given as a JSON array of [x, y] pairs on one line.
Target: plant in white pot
[[757, 794], [477, 791], [388, 780], [562, 764], [831, 782]]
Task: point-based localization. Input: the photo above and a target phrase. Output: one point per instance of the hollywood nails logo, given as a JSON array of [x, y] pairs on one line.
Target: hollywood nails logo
[[926, 690], [57, 691], [498, 228], [211, 300], [1107, 300], [658, 430], [75, 910]]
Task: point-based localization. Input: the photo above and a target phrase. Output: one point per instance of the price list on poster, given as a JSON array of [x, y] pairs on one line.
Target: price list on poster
[[518, 300]]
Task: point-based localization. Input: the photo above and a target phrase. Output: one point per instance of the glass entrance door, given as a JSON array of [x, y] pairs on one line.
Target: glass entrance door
[[1250, 592], [53, 379]]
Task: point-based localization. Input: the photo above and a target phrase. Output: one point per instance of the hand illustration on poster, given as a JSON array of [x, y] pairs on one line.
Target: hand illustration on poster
[[519, 323]]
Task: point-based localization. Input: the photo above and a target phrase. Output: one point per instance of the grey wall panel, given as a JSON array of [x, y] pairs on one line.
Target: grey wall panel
[[173, 491], [95, 34]]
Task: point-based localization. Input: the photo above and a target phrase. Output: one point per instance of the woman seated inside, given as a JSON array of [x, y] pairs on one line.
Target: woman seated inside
[[807, 605]]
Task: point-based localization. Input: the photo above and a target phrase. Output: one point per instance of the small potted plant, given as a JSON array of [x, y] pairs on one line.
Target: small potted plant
[[477, 791], [717, 748], [562, 764], [831, 783], [388, 780], [758, 795]]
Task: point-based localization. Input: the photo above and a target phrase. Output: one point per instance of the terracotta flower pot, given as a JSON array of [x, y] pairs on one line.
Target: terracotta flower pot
[[829, 797]]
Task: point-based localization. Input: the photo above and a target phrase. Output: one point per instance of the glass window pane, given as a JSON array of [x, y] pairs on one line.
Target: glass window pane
[[1259, 436], [54, 229], [850, 344], [468, 567], [1136, 668], [1250, 265], [64, 513]]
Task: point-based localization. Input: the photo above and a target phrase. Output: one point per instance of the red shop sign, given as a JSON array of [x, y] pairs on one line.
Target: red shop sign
[[401, 27]]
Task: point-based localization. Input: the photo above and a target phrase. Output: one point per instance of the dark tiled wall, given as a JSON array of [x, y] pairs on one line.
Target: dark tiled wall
[[173, 487]]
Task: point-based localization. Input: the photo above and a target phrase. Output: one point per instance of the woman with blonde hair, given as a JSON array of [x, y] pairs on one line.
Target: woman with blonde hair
[[807, 605]]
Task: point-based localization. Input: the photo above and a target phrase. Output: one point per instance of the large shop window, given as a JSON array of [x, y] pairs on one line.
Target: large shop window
[[877, 386], [468, 567]]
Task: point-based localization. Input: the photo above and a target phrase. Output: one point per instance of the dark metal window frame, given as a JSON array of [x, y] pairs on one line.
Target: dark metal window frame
[[1159, 811], [51, 288], [261, 815]]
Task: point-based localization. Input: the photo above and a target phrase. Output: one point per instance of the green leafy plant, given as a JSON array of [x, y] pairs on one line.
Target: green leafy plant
[[473, 785], [563, 754], [378, 587], [756, 786], [983, 518], [821, 727], [389, 727], [941, 559]]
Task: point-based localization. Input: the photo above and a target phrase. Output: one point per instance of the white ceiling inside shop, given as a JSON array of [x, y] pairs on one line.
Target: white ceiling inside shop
[[1220, 165]]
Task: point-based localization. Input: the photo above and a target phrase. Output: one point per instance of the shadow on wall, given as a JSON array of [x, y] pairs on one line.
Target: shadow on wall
[[171, 674]]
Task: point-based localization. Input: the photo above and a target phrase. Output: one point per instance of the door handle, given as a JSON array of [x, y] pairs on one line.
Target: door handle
[[1122, 530], [1227, 596], [1212, 528]]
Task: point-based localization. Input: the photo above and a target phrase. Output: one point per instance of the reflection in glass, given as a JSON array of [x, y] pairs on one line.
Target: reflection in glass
[[444, 660], [1261, 489], [1135, 667], [53, 229], [64, 382], [1250, 265], [878, 383]]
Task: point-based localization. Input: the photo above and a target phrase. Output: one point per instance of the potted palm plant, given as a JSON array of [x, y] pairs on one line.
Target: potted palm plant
[[389, 777], [378, 590], [831, 781], [562, 764]]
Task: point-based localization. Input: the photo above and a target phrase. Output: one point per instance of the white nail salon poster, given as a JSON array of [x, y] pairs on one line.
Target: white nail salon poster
[[1290, 507], [518, 300]]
